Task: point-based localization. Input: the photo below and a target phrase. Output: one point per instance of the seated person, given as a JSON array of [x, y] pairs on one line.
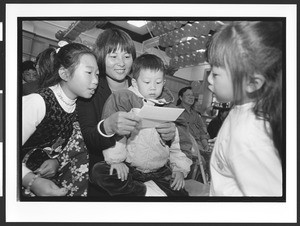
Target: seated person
[[137, 164], [196, 126]]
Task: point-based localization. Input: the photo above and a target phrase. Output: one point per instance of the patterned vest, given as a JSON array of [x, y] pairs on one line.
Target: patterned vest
[[57, 125]]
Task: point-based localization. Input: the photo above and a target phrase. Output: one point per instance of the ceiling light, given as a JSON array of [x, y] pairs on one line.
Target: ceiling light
[[137, 23]]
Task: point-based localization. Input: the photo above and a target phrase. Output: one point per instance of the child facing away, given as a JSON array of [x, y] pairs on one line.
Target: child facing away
[[48, 117], [137, 164], [246, 60]]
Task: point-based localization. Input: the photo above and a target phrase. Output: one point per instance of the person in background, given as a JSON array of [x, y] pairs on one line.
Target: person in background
[[216, 123], [29, 77], [115, 52], [139, 162], [196, 126], [246, 61], [48, 119]]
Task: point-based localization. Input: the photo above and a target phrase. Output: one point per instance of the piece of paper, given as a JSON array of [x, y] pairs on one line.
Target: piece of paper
[[153, 116]]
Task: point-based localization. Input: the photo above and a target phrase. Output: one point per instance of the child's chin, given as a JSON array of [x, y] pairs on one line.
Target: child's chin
[[87, 96]]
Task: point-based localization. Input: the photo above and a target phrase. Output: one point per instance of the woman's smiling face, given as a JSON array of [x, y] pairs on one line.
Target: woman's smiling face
[[118, 64]]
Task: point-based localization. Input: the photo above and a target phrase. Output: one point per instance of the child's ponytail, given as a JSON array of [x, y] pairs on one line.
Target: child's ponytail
[[67, 57], [45, 63]]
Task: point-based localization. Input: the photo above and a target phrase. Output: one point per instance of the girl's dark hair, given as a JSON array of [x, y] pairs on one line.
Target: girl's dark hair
[[181, 92], [68, 57], [108, 41], [247, 48], [44, 65], [147, 61]]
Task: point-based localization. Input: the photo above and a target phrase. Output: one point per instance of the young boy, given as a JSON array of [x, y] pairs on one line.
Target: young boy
[[137, 164]]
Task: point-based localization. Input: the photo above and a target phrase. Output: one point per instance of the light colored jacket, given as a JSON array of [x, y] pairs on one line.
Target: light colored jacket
[[146, 151]]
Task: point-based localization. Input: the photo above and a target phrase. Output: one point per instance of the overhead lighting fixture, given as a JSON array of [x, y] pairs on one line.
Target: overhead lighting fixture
[[137, 23]]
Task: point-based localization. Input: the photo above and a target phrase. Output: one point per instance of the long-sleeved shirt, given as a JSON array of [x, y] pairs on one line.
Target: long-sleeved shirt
[[244, 160]]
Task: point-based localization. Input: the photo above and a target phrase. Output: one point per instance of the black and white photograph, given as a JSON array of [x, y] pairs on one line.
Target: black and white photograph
[[123, 113]]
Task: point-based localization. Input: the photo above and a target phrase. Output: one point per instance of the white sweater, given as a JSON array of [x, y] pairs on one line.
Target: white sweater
[[244, 161]]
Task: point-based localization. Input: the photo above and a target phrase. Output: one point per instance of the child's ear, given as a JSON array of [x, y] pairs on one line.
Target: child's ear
[[134, 83], [64, 74], [256, 82]]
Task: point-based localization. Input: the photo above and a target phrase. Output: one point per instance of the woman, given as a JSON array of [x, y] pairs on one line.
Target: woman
[[115, 52], [196, 125]]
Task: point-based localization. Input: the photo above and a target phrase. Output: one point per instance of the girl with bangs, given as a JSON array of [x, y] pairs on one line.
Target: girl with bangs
[[246, 61]]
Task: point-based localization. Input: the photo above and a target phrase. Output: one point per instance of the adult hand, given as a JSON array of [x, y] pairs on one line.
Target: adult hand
[[166, 130], [121, 123], [48, 169], [46, 187]]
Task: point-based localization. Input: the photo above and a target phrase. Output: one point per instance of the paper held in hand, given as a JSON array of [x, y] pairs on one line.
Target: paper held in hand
[[153, 116]]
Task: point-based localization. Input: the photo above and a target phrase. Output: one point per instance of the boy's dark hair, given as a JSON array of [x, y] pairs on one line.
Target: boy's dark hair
[[147, 61], [27, 65]]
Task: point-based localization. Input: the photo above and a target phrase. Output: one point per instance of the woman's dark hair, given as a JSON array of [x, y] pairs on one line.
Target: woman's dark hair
[[108, 41], [147, 61], [246, 48], [181, 92], [68, 57]]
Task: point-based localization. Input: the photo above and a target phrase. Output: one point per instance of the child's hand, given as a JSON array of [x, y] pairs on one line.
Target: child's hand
[[46, 187], [166, 130], [178, 182], [48, 169], [211, 144], [122, 170]]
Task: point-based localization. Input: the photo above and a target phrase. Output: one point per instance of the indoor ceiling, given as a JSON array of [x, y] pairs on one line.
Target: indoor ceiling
[[138, 34]]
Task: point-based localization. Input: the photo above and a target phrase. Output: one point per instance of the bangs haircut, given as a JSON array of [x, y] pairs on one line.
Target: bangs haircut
[[228, 45], [147, 61], [109, 41]]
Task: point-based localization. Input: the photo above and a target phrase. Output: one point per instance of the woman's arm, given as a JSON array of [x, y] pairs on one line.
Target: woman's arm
[[89, 115]]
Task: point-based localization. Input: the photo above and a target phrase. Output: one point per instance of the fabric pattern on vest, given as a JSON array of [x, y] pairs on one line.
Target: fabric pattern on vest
[[56, 124]]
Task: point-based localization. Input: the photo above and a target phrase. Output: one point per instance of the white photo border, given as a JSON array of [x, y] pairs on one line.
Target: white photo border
[[17, 211]]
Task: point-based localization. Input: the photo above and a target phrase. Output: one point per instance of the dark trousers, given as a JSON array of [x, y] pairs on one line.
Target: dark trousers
[[134, 185]]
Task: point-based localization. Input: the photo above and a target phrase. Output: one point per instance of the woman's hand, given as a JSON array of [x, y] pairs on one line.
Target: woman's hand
[[122, 170], [121, 123], [166, 130], [48, 169], [178, 182]]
